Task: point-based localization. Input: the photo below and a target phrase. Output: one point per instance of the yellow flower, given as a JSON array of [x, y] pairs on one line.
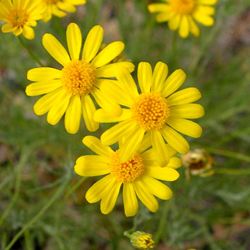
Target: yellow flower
[[19, 16], [68, 90], [184, 14], [59, 8], [139, 176], [155, 113], [142, 240]]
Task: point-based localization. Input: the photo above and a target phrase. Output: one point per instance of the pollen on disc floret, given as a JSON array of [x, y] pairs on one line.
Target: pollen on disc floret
[[182, 7], [127, 171], [79, 77], [18, 17], [151, 111]]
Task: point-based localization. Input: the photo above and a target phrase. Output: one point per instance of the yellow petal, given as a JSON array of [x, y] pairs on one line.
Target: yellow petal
[[96, 146], [28, 32], [145, 196], [111, 70], [208, 2], [185, 127], [104, 117], [175, 140], [129, 199], [93, 43], [44, 104], [104, 100], [112, 135], [7, 28], [159, 76], [116, 94], [151, 156], [203, 19], [55, 49], [163, 173], [74, 40], [193, 27], [66, 6], [174, 162], [159, 146], [96, 191], [190, 111], [40, 88], [73, 115], [110, 52], [173, 82], [205, 10], [158, 7], [144, 75], [174, 22], [88, 110], [43, 74], [109, 198], [184, 96], [127, 83], [184, 27], [164, 17], [59, 107], [78, 2], [91, 165], [4, 9], [157, 188], [131, 145]]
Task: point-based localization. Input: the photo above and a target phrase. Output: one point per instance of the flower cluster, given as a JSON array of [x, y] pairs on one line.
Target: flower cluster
[[21, 16], [183, 15], [151, 115]]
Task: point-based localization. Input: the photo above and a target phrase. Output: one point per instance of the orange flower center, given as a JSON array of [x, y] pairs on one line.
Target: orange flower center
[[150, 111], [127, 171], [183, 7], [18, 17], [79, 77]]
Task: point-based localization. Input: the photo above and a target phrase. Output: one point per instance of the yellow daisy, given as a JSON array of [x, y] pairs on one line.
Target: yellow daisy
[[184, 14], [156, 113], [139, 176], [60, 8], [19, 16], [68, 90]]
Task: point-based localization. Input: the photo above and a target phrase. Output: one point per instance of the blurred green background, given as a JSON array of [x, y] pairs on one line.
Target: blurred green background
[[42, 203]]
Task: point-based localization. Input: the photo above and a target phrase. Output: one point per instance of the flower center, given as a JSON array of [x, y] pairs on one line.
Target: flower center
[[79, 77], [127, 171], [183, 6], [151, 111], [18, 17]]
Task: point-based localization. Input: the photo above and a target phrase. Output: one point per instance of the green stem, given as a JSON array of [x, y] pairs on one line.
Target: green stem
[[24, 157], [232, 171], [58, 193], [230, 154], [32, 55], [28, 241], [163, 221]]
